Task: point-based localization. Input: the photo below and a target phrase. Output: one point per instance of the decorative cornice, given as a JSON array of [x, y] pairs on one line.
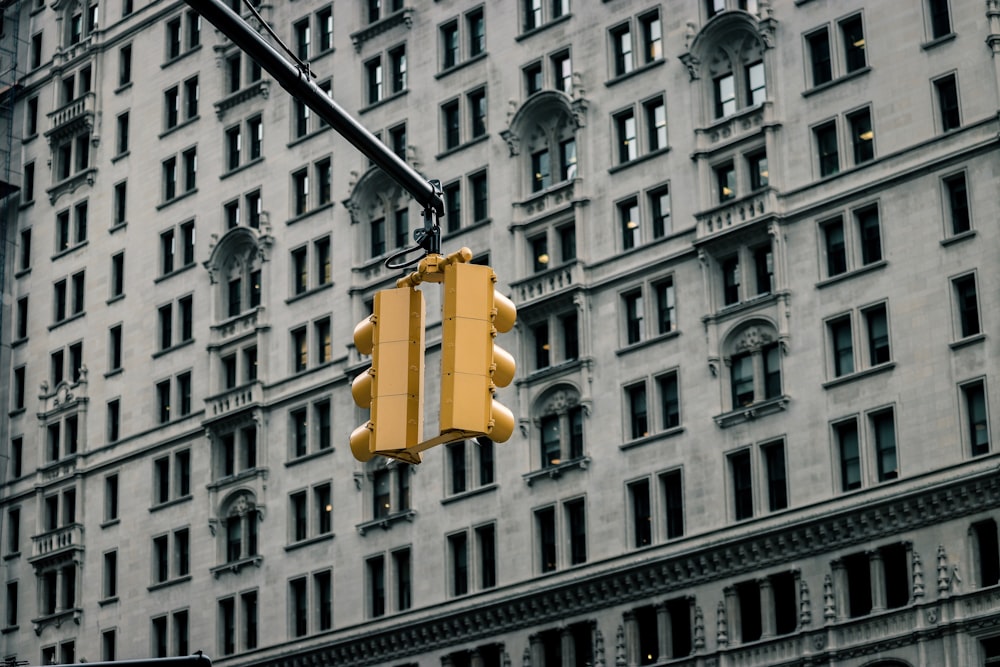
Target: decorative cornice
[[672, 574]]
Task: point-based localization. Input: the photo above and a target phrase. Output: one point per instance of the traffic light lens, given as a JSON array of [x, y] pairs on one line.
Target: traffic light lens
[[361, 444], [503, 423], [364, 336], [361, 389], [503, 374], [506, 313]]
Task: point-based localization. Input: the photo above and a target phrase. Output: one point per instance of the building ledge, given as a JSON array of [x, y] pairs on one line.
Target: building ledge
[[556, 470], [235, 566], [386, 522], [750, 412]]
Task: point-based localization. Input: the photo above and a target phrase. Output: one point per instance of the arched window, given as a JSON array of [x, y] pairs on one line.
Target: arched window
[[727, 55], [79, 21], [753, 356], [239, 521], [380, 214], [559, 421], [543, 134], [235, 266]]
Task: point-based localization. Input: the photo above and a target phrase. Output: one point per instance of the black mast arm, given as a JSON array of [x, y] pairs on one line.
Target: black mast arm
[[300, 85]]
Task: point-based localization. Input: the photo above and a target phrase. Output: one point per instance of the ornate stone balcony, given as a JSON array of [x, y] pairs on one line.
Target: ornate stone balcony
[[736, 213], [242, 324], [232, 401], [70, 118], [56, 542], [556, 197], [732, 128], [545, 284]]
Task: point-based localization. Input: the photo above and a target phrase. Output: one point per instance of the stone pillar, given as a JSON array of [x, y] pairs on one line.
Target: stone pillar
[[537, 654], [839, 584], [732, 613], [767, 619], [60, 593], [877, 570], [476, 658], [568, 648], [631, 636], [664, 636]]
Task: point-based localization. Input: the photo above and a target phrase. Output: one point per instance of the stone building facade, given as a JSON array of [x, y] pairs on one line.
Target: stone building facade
[[750, 246]]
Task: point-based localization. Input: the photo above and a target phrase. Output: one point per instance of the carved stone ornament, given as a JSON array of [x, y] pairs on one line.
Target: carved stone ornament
[[560, 401], [753, 338]]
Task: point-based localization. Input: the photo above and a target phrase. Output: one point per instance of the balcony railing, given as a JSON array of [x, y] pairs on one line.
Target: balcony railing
[[80, 111], [734, 127], [736, 213], [56, 541], [233, 400], [545, 284], [552, 198], [238, 325]]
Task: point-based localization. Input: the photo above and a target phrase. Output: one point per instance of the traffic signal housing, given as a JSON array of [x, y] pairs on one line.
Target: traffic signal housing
[[393, 386], [472, 365]]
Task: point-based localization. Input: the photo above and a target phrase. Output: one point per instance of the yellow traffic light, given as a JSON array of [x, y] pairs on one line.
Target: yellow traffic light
[[393, 387], [472, 366]]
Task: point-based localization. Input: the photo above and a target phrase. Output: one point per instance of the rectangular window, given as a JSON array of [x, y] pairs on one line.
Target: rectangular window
[[477, 112], [852, 32], [545, 530], [449, 45], [777, 479], [947, 96], [532, 78], [323, 599], [967, 305], [638, 414], [730, 280], [227, 626], [476, 32], [877, 329], [458, 549], [756, 84], [376, 586], [957, 203], [576, 519], [742, 484], [869, 234], [404, 590], [397, 61], [634, 314], [826, 148], [652, 36], [819, 56], [987, 557], [298, 607], [628, 148], [763, 264], [301, 34], [110, 575], [298, 518], [541, 171], [862, 136], [300, 192], [940, 18], [121, 145], [977, 425], [842, 343], [724, 89], [450, 122], [884, 433], [628, 219], [621, 41], [669, 400], [642, 519]]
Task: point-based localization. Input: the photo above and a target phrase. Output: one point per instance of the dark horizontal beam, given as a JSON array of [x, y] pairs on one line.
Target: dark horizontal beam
[[303, 88]]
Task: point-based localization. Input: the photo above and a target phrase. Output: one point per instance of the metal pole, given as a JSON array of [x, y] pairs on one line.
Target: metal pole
[[300, 86]]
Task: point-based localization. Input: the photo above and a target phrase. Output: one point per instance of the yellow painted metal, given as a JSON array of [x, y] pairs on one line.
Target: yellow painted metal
[[393, 386], [469, 359]]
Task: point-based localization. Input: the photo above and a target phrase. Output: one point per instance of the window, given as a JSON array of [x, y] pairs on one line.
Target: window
[[458, 550], [672, 491], [637, 411], [956, 197], [849, 456], [375, 568], [111, 505], [305, 523], [545, 531], [742, 484], [627, 145], [986, 553], [119, 203], [641, 513], [390, 492], [966, 306], [183, 34], [114, 420], [115, 348], [939, 18], [532, 78], [536, 13], [879, 578], [300, 38], [819, 56], [36, 50], [862, 137], [773, 455], [167, 487], [843, 346], [177, 183], [826, 147], [562, 72], [470, 465], [852, 33], [10, 618], [240, 526], [628, 220], [975, 417], [725, 182], [946, 89], [621, 43], [576, 521], [633, 310], [125, 65], [121, 143]]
